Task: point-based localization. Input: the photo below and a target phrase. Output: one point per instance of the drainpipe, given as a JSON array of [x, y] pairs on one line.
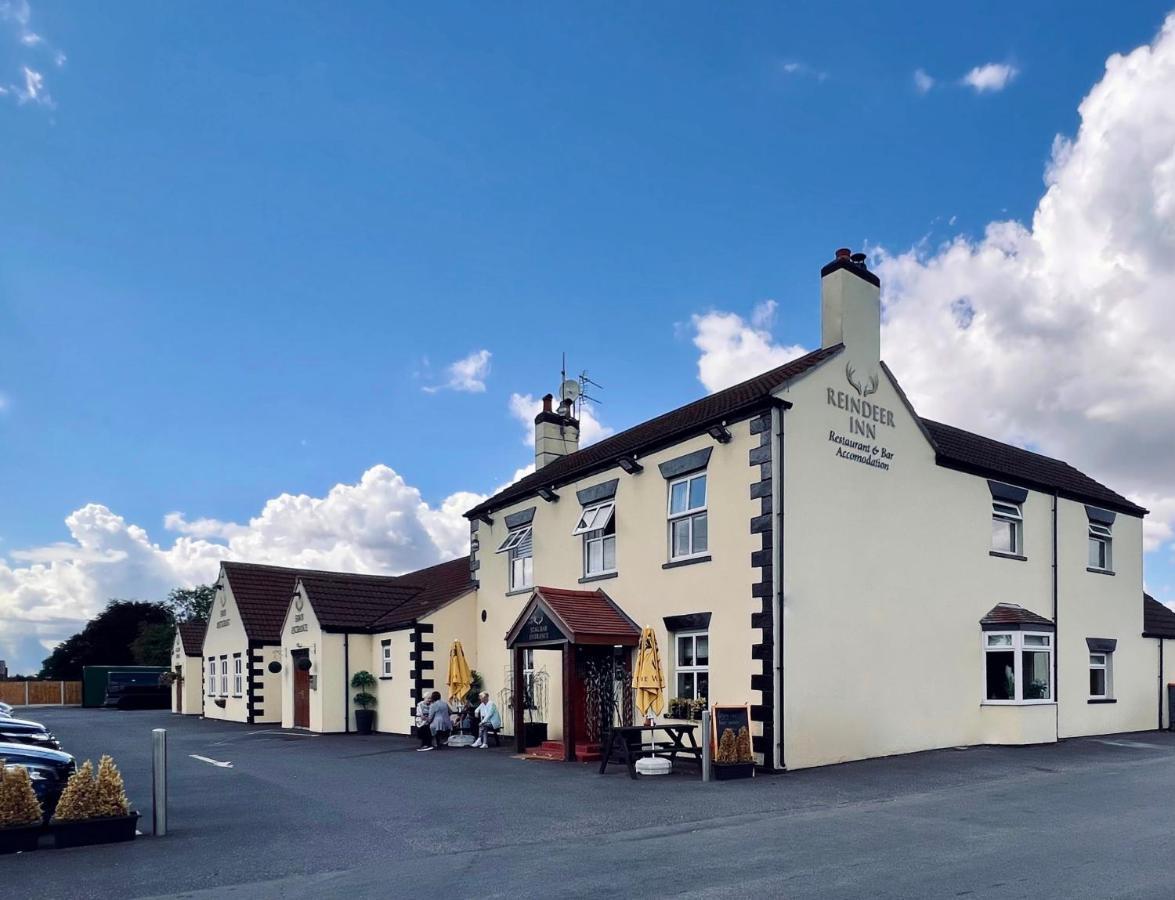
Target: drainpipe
[[1161, 642], [346, 682], [1056, 629], [777, 578]]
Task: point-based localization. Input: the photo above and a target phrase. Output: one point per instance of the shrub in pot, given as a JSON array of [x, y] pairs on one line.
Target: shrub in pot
[[364, 717], [94, 811], [20, 811], [734, 759]]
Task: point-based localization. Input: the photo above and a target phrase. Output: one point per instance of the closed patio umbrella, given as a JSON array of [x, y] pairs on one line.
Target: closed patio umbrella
[[647, 677], [460, 679]]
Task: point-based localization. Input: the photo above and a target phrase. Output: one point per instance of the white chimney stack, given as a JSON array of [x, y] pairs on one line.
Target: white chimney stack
[[850, 308], [556, 432]]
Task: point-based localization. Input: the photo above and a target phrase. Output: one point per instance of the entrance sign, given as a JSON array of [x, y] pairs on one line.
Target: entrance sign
[[864, 418], [539, 629]]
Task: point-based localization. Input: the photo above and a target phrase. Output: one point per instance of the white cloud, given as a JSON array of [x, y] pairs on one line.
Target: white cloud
[[801, 70], [734, 349], [29, 88], [990, 77], [1059, 331], [922, 81], [524, 407], [379, 524], [467, 374]]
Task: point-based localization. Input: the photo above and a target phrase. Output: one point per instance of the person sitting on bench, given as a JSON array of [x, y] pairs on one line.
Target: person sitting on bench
[[490, 719]]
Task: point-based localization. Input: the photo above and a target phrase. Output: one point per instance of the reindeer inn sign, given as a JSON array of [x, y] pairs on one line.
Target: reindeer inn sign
[[864, 417]]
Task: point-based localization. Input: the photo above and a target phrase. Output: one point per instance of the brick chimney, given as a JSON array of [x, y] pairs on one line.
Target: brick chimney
[[556, 432]]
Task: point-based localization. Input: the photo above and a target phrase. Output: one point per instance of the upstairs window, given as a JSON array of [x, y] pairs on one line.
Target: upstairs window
[[688, 524], [597, 524], [1018, 667], [1101, 541], [1007, 528], [519, 545]]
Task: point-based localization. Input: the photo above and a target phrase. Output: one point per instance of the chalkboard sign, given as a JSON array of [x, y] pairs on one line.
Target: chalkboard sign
[[732, 717]]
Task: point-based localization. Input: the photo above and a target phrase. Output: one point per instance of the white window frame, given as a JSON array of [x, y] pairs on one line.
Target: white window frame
[[528, 670], [1103, 534], [679, 669], [517, 541], [238, 676], [1017, 647], [224, 676], [595, 518], [514, 538], [386, 660], [1106, 665], [211, 676], [599, 536], [690, 513], [1013, 513]]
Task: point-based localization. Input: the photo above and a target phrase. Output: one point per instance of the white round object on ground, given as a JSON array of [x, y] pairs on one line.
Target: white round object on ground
[[462, 740], [653, 765]]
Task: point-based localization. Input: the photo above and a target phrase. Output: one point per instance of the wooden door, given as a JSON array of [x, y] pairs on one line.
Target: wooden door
[[179, 693], [301, 691]]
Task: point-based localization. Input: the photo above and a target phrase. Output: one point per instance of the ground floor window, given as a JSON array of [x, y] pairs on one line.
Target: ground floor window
[[692, 665], [1100, 672], [224, 676], [238, 676], [211, 676], [386, 659], [1018, 666]]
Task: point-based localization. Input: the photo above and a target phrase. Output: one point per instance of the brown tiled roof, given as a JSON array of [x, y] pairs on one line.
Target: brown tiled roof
[[192, 637], [1157, 618], [586, 617], [342, 600], [973, 453], [1012, 614], [691, 419]]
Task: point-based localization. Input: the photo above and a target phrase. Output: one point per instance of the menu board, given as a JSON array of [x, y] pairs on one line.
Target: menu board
[[732, 717]]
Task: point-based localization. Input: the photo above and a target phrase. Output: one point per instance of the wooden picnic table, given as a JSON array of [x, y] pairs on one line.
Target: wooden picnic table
[[627, 744]]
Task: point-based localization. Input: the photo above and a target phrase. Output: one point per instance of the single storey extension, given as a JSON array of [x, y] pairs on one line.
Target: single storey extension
[[187, 691]]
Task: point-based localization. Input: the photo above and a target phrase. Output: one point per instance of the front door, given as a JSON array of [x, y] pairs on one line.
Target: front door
[[301, 690], [179, 693]]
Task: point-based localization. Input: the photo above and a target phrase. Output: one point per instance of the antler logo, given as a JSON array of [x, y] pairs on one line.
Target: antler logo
[[863, 389]]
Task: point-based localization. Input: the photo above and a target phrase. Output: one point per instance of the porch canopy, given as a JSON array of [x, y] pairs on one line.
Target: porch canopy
[[558, 619]]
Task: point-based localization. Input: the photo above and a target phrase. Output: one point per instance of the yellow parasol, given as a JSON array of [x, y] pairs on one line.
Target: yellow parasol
[[647, 677], [460, 679]]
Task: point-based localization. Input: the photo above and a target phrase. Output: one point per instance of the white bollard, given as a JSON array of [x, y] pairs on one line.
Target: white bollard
[[705, 745], [159, 781]]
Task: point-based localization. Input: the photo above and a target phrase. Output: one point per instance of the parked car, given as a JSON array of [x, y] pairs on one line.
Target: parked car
[[48, 769], [5, 710], [21, 731]]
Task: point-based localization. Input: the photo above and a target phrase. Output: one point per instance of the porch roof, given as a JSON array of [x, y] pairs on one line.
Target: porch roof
[[581, 617]]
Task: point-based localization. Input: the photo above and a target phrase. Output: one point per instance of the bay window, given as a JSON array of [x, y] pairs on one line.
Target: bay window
[[1018, 667]]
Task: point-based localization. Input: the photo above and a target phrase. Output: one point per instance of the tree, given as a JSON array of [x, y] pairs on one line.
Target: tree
[[106, 640], [191, 604], [152, 645]]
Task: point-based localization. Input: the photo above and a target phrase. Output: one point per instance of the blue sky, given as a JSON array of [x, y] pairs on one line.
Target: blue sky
[[238, 241]]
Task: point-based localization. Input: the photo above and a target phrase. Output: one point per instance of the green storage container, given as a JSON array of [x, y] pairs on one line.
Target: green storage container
[[94, 679]]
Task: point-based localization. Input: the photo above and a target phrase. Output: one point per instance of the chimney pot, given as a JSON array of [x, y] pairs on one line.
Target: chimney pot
[[843, 253], [547, 398]]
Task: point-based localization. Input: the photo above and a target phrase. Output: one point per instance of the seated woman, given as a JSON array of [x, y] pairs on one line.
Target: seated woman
[[490, 718]]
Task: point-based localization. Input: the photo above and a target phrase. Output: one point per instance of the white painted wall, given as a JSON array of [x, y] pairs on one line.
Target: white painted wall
[[226, 636], [190, 682]]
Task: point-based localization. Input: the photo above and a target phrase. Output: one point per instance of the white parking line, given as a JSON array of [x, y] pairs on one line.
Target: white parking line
[[211, 762], [284, 733]]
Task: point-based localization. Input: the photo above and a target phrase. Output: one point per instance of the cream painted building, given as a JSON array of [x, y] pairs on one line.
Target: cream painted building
[[397, 628], [187, 693], [869, 582]]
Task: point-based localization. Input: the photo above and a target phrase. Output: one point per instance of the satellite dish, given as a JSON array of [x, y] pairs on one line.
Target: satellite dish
[[570, 390]]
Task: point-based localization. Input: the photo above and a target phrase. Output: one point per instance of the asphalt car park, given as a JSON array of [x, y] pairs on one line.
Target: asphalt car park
[[258, 812]]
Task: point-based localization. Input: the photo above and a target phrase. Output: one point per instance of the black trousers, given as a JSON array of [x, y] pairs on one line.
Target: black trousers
[[442, 739], [425, 735]]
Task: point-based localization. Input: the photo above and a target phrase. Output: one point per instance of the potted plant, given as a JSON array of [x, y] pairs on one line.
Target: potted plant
[[167, 679], [20, 812], [734, 758], [678, 708], [94, 811], [364, 717], [695, 708]]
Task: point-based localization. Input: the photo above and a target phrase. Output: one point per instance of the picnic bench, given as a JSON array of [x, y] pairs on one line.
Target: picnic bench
[[628, 743]]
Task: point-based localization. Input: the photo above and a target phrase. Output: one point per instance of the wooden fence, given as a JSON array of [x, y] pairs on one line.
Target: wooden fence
[[41, 693]]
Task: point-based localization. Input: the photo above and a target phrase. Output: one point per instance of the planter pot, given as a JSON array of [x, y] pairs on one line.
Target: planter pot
[[19, 839], [731, 771], [535, 733], [364, 720], [94, 831]]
